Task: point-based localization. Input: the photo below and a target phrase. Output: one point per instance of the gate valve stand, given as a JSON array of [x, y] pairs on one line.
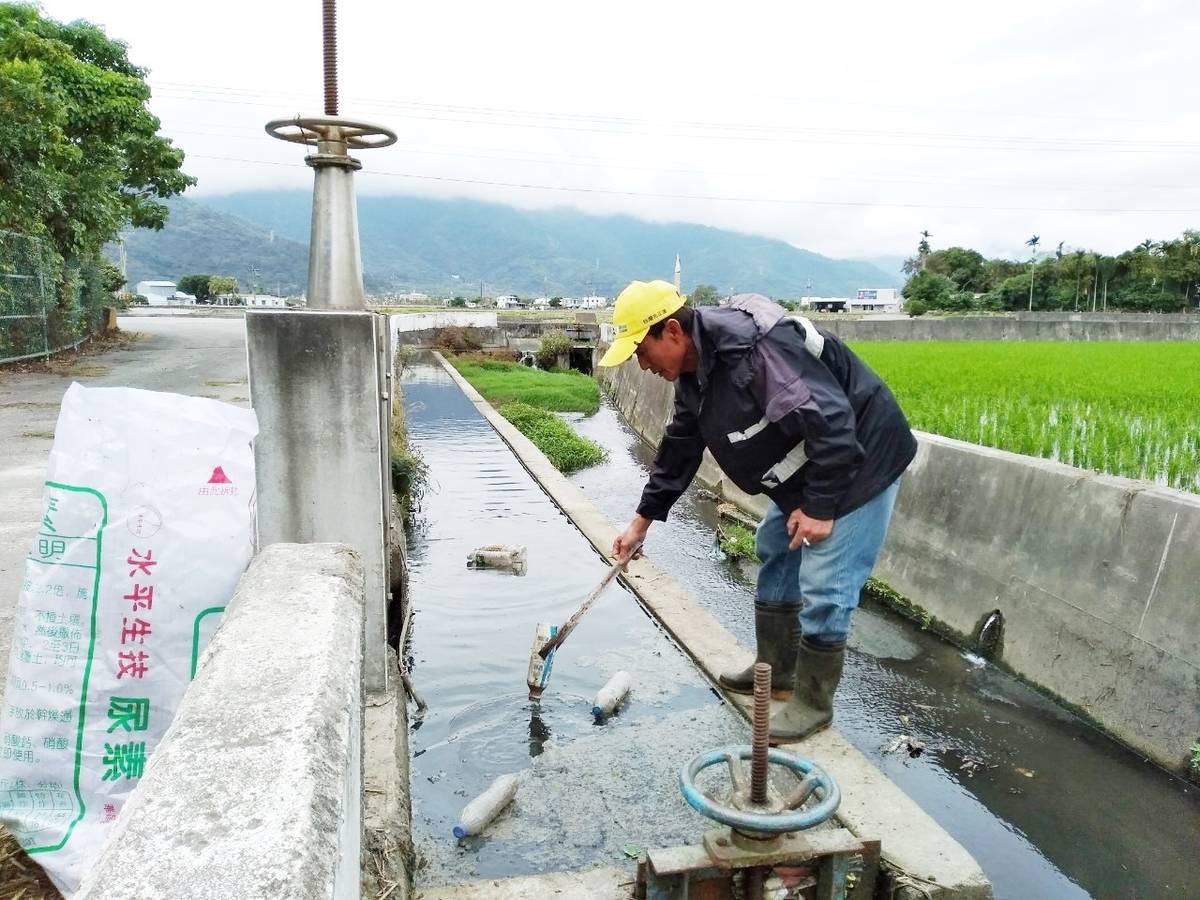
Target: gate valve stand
[[334, 261], [762, 827]]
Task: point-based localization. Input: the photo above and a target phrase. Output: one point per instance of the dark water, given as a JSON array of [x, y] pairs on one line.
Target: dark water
[[1048, 806], [592, 788]]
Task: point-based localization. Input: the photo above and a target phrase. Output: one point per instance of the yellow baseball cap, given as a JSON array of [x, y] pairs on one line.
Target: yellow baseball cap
[[638, 307]]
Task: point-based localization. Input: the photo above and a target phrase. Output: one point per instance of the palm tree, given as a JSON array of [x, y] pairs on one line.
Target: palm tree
[[1032, 244], [923, 248]]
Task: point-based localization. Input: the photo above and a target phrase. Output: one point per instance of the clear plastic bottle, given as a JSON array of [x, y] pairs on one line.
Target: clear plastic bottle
[[479, 813], [609, 697]]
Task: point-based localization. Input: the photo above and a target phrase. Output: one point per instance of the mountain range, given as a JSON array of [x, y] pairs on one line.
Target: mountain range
[[448, 247]]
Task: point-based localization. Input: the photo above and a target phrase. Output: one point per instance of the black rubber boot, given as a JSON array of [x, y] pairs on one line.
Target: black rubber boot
[[818, 671], [777, 634]]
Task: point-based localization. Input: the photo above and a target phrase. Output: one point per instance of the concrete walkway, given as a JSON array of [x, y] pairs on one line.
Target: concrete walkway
[[203, 357]]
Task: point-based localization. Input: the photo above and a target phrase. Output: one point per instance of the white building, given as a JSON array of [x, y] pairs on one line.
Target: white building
[[541, 303], [825, 304], [508, 302], [591, 302], [877, 300], [157, 293], [269, 301], [412, 298]]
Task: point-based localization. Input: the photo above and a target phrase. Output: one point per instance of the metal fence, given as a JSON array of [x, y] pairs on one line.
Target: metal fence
[[46, 305]]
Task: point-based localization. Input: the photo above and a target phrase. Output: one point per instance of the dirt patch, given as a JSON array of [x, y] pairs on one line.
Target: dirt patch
[[83, 371], [68, 362], [41, 435], [20, 876]]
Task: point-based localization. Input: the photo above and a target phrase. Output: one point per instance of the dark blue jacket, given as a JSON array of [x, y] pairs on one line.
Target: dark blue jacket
[[785, 411]]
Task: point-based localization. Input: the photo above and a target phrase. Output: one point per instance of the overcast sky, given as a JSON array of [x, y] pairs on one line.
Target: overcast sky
[[840, 128]]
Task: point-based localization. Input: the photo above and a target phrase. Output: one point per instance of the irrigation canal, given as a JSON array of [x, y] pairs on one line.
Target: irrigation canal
[[1048, 806]]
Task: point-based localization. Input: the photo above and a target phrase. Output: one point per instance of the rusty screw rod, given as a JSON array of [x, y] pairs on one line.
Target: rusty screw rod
[[761, 732], [329, 34]]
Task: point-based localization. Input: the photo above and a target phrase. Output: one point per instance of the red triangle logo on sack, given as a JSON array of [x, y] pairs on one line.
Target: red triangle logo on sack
[[219, 477]]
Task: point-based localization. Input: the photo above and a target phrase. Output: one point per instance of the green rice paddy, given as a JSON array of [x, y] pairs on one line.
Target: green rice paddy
[[1129, 409]]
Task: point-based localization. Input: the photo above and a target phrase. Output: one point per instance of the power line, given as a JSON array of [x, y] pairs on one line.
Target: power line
[[595, 162], [714, 197], [907, 110], [758, 134]]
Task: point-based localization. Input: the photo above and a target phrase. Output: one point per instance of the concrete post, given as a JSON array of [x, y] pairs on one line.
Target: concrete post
[[315, 385]]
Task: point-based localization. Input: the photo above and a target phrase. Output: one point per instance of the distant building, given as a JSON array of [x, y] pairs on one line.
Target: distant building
[[412, 298], [825, 304], [877, 300], [508, 302], [591, 302], [157, 293], [269, 301]]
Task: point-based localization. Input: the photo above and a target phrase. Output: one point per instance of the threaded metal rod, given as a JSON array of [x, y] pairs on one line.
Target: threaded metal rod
[[754, 883], [329, 29], [761, 733]]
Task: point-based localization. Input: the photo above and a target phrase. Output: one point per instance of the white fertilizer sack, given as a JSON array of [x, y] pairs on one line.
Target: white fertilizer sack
[[148, 521]]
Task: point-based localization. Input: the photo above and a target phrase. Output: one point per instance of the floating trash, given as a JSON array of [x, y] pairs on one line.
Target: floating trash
[[610, 696], [498, 556], [480, 812]]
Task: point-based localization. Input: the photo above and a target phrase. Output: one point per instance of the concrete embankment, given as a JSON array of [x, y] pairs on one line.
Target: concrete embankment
[[256, 789], [916, 850], [1093, 575], [1023, 327]]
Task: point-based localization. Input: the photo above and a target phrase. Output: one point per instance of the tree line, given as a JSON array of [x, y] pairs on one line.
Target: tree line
[[208, 287], [1154, 276], [81, 158]]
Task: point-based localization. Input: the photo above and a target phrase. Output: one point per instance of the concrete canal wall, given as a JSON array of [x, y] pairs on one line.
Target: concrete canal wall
[[1097, 577], [1023, 327], [256, 789]]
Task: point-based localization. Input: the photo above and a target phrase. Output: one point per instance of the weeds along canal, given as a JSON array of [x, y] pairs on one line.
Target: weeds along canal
[[591, 793], [1049, 807]]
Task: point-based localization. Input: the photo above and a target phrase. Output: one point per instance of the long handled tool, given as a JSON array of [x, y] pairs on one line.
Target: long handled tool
[[550, 637]]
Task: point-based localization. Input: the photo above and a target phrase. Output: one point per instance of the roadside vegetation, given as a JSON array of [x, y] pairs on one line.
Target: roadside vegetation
[[409, 471], [83, 160], [531, 398], [1121, 408]]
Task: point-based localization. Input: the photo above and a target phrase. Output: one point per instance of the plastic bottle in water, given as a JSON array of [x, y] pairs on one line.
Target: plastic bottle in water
[[479, 813], [610, 696]]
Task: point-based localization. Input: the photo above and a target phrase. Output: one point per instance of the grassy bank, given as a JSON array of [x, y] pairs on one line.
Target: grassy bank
[[508, 382], [529, 398], [554, 437], [1121, 408]]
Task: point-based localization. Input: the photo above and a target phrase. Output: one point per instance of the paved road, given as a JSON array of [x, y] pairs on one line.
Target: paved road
[[203, 357]]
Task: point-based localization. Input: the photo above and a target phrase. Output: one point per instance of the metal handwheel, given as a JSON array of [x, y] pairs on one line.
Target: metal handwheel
[[313, 129], [777, 814]]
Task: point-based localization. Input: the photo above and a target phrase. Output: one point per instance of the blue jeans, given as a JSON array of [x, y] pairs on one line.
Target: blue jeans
[[826, 578]]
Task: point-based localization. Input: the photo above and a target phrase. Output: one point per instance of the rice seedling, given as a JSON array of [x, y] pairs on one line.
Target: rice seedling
[[1122, 408]]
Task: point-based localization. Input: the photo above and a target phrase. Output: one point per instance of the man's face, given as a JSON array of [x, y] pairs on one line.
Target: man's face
[[665, 355]]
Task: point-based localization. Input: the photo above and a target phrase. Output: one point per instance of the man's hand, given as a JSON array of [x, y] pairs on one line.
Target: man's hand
[[807, 531], [629, 541]]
